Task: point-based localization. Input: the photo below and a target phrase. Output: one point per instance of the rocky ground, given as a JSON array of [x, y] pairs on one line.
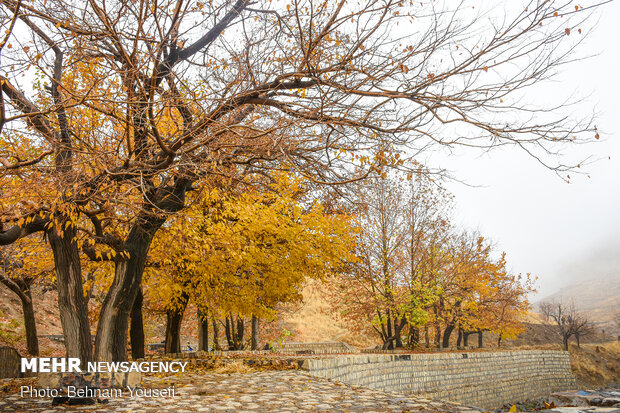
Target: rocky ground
[[607, 399], [236, 387], [257, 391], [573, 401]]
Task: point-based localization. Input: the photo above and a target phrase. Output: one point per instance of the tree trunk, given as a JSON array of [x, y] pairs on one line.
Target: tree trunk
[[255, 327], [460, 338], [427, 337], [71, 304], [229, 334], [390, 343], [111, 341], [577, 338], [382, 333], [32, 342], [240, 333], [465, 339], [136, 330], [479, 338], [216, 335], [414, 335], [21, 287], [446, 335], [438, 336], [397, 331], [499, 340], [174, 318], [203, 331], [565, 342]]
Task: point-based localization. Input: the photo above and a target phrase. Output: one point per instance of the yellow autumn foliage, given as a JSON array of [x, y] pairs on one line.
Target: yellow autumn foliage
[[247, 251]]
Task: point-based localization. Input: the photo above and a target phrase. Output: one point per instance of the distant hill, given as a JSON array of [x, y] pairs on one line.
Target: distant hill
[[597, 297]]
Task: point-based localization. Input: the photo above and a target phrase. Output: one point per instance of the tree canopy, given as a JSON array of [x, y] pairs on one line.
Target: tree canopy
[[246, 252], [416, 269], [112, 111]]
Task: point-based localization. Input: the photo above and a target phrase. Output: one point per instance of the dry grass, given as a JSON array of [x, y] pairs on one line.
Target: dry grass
[[235, 366], [534, 318], [596, 365], [315, 321]]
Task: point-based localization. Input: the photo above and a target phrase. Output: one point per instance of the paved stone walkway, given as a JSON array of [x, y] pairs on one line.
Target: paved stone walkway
[[260, 391]]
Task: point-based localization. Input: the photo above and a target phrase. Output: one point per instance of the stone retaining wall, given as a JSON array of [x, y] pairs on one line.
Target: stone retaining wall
[[325, 347], [483, 379], [407, 351]]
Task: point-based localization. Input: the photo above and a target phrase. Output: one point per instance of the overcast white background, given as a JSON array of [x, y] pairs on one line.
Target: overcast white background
[[552, 229]]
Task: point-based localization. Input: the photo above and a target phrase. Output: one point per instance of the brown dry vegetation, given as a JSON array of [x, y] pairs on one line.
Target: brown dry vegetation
[[314, 320], [236, 366], [596, 365]]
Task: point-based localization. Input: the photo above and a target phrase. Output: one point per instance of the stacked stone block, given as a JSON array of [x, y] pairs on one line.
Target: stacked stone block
[[325, 347]]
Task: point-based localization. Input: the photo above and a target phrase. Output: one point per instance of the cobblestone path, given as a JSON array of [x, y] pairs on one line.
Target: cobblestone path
[[260, 391]]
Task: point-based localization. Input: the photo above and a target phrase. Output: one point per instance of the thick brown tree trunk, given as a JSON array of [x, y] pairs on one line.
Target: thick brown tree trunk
[[111, 341], [32, 342], [229, 333], [465, 338], [397, 333], [203, 331], [460, 338], [174, 318], [388, 342], [479, 338], [446, 335], [235, 330], [216, 335], [136, 330], [71, 303], [255, 332], [240, 333], [414, 337]]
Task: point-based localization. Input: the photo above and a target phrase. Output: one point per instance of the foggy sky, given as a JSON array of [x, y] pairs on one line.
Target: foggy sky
[[547, 227]]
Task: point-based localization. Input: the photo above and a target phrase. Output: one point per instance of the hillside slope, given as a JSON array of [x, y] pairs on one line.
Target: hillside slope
[[598, 298]]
